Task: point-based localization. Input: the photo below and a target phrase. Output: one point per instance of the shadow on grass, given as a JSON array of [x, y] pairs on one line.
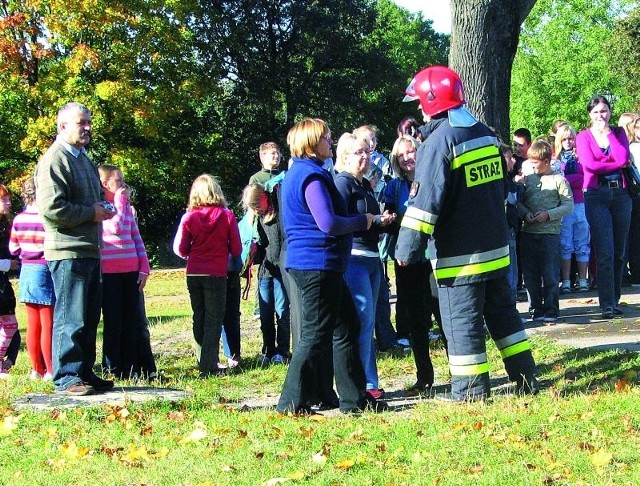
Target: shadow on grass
[[584, 370]]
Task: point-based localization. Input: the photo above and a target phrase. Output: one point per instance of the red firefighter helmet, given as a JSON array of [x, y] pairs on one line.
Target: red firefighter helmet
[[438, 88]]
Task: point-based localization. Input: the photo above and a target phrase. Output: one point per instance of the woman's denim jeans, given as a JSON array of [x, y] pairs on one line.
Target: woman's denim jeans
[[363, 279], [609, 215]]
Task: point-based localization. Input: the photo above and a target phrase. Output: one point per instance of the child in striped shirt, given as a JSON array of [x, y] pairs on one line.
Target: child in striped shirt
[[126, 347], [36, 287]]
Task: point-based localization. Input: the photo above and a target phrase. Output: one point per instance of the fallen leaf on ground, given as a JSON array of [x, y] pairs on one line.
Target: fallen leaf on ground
[[9, 424], [297, 475], [622, 386], [275, 481], [322, 455], [345, 465], [71, 451], [194, 436], [307, 432], [317, 418], [177, 416], [601, 458], [585, 446]]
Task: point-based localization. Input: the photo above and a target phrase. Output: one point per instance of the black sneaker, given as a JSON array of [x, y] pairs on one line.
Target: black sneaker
[[368, 404], [607, 313], [99, 384]]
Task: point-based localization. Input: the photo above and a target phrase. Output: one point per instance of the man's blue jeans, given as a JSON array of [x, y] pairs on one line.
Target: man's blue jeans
[[609, 215], [78, 287]]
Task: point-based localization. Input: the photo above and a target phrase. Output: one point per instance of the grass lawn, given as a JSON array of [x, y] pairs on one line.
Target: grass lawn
[[583, 428]]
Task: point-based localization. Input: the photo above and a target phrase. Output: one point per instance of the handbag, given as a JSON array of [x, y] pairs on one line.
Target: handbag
[[632, 175]]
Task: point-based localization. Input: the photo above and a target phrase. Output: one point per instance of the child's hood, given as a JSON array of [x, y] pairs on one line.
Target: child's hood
[[207, 218]]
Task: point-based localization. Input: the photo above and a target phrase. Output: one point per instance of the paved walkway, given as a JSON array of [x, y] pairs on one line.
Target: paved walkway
[[118, 396], [581, 325]]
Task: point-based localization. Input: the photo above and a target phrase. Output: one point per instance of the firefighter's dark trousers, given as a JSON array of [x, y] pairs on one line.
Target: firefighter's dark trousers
[[465, 309]]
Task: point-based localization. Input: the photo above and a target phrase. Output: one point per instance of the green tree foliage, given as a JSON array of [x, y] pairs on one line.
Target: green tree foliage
[[625, 57], [563, 59], [178, 88]]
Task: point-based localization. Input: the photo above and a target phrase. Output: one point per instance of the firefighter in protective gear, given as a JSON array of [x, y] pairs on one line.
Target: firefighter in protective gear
[[457, 209]]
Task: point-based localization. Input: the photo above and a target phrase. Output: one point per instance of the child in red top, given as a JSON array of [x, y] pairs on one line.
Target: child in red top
[[207, 234]]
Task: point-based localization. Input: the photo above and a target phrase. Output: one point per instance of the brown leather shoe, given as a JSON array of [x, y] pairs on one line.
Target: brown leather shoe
[[78, 390]]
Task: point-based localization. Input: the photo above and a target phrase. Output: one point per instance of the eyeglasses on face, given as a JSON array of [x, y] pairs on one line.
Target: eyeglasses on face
[[361, 152]]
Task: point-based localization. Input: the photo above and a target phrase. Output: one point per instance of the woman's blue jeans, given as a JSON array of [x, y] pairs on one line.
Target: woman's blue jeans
[[609, 215], [363, 279]]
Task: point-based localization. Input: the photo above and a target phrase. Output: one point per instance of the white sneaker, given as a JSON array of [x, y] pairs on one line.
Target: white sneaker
[[233, 363], [4, 375], [34, 375], [47, 377]]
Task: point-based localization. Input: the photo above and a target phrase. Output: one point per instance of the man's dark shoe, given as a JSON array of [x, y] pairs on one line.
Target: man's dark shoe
[[449, 398], [324, 406], [99, 384], [77, 390]]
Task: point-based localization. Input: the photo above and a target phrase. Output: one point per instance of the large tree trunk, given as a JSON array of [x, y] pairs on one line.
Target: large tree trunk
[[484, 40]]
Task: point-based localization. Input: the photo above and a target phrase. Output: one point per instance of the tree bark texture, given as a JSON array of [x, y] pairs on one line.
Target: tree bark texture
[[484, 41]]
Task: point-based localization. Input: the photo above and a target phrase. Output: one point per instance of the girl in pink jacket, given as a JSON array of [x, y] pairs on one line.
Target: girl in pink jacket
[[207, 234]]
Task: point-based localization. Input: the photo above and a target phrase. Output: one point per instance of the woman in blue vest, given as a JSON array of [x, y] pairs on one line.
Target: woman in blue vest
[[319, 233]]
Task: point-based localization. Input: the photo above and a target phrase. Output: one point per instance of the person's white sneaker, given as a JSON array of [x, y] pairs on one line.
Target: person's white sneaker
[[34, 375]]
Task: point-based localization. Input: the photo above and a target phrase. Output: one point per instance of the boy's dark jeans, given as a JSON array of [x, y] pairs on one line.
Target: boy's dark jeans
[[540, 259]]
